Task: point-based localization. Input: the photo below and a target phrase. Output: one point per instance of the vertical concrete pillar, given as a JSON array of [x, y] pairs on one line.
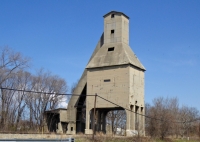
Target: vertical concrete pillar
[[87, 120], [59, 130], [136, 118], [92, 119], [132, 120], [128, 130], [87, 124], [142, 121]]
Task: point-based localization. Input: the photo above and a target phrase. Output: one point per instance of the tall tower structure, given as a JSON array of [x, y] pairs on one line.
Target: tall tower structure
[[115, 73]]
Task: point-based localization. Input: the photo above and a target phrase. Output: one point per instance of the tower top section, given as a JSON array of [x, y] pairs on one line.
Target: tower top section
[[114, 47], [113, 13], [116, 28]]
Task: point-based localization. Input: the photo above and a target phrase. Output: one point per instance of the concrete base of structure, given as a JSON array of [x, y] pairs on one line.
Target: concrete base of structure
[[142, 133], [59, 130], [71, 132], [88, 131], [131, 132]]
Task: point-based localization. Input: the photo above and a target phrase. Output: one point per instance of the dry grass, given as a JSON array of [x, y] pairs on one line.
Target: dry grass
[[104, 138]]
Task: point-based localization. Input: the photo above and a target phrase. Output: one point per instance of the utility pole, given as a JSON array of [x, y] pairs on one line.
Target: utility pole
[[94, 116]]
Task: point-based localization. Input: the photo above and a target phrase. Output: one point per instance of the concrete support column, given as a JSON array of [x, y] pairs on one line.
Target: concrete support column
[[128, 123], [87, 123], [131, 123], [132, 119], [59, 130], [136, 118], [142, 121], [92, 119], [89, 116]]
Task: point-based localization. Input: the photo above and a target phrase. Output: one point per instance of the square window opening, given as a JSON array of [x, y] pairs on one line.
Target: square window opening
[[112, 15], [112, 31], [111, 49], [106, 80]]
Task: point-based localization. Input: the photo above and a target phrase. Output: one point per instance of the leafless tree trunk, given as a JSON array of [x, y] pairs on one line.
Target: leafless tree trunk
[[45, 82], [165, 117], [21, 107], [117, 119], [23, 83], [186, 114], [163, 110], [9, 62]]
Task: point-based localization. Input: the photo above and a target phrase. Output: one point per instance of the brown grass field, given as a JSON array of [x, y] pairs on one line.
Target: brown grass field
[[103, 138]]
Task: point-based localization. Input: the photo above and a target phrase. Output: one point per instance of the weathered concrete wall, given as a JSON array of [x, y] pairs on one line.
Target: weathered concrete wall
[[63, 115], [111, 83], [71, 110], [120, 26], [136, 86]]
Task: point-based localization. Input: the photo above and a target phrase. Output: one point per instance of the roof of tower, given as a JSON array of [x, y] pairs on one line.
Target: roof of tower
[[116, 12], [121, 55]]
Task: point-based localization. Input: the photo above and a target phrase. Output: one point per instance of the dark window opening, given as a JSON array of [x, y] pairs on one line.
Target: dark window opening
[[71, 128], [112, 15], [112, 31], [107, 80], [131, 107], [111, 49]]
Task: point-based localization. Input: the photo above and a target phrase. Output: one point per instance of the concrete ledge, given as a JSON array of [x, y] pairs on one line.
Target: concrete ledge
[[88, 131], [71, 132], [131, 132]]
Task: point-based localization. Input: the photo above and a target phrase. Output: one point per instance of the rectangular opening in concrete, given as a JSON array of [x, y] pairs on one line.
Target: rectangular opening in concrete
[[71, 128], [112, 15], [112, 31], [106, 80], [111, 48]]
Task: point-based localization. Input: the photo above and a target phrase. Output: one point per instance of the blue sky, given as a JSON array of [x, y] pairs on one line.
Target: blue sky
[[60, 36]]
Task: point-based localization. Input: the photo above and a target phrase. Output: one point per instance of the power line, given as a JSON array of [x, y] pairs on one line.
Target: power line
[[147, 115], [42, 92]]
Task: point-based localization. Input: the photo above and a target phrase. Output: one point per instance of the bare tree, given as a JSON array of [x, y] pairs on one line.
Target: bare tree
[[8, 103], [162, 115], [23, 81], [10, 62], [166, 118], [117, 119], [19, 106], [38, 103], [187, 114]]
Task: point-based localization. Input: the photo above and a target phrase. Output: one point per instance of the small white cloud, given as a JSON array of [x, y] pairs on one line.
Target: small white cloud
[[63, 103]]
